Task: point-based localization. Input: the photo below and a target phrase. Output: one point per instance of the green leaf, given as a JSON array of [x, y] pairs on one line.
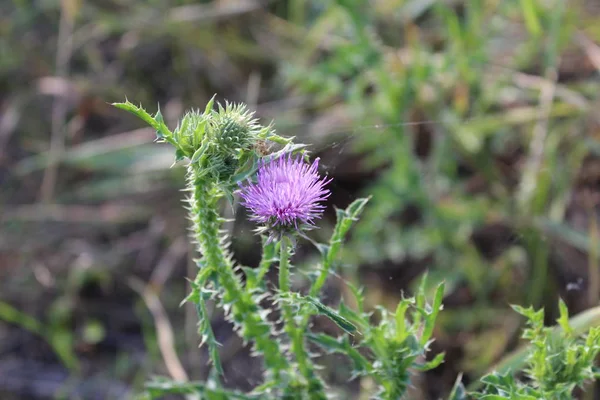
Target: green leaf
[[207, 335], [247, 170], [269, 256], [355, 317], [138, 111], [252, 280], [420, 298], [59, 338], [205, 275], [530, 15], [199, 153], [400, 316], [458, 391], [332, 314], [356, 208], [345, 219], [162, 131], [563, 320], [210, 105], [179, 155], [158, 118], [303, 301], [13, 316], [342, 346], [430, 319], [437, 361]]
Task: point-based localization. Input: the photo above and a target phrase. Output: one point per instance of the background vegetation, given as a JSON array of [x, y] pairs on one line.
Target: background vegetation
[[472, 123]]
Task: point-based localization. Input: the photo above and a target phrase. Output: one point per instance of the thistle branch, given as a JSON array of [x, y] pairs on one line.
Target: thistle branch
[[243, 311], [314, 386]]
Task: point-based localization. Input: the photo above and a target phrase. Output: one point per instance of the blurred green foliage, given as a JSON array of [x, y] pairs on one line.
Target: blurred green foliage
[[465, 133]]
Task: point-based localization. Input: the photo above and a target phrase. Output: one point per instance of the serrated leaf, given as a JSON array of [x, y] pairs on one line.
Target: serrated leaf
[[179, 155], [359, 298], [158, 118], [251, 277], [329, 253], [350, 314], [458, 390], [400, 316], [192, 297], [436, 362], [138, 111], [246, 171], [155, 122], [208, 337], [205, 274], [342, 346], [563, 320], [210, 105], [430, 319], [499, 380], [356, 207], [420, 298], [303, 301], [198, 154], [229, 196], [269, 256], [198, 297], [332, 315]]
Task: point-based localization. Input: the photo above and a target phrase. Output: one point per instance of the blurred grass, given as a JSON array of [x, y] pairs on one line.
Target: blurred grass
[[472, 123], [498, 87], [59, 339]]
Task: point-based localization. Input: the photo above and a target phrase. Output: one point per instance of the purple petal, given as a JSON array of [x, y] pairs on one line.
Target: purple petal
[[288, 192]]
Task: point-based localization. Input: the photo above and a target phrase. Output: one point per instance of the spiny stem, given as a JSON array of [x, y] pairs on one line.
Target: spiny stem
[[284, 268], [315, 387], [245, 313]]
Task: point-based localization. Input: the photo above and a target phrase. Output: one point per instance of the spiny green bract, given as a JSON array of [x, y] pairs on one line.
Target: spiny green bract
[[222, 144], [229, 130], [216, 141]]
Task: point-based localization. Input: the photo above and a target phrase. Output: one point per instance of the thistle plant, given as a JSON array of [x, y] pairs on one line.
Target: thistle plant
[[555, 362], [224, 153]]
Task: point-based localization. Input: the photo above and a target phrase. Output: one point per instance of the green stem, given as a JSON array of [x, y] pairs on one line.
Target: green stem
[[284, 267], [315, 386], [244, 311]]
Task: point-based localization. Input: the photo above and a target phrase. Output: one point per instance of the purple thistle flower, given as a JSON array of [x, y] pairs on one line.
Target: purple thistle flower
[[287, 194]]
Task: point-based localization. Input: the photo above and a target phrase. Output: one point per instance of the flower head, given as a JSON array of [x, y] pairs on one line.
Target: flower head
[[287, 195]]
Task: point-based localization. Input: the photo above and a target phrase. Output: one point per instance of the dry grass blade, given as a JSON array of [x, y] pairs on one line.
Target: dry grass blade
[[106, 214], [59, 111], [165, 266], [591, 49], [95, 148], [200, 13], [164, 330], [536, 147]]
